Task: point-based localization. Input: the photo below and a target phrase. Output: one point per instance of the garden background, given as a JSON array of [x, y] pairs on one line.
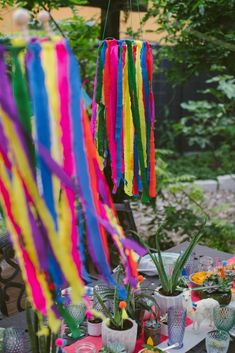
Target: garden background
[[194, 85]]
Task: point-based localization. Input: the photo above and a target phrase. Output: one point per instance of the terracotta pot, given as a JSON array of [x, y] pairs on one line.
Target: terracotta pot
[[126, 338], [165, 302], [154, 333], [94, 328]]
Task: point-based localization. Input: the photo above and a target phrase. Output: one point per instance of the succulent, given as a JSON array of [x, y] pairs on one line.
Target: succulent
[[152, 324], [216, 283], [113, 348]]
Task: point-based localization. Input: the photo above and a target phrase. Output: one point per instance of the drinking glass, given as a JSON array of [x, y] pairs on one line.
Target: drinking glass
[[85, 348], [78, 314], [205, 264], [224, 317], [13, 341], [176, 325], [217, 342]]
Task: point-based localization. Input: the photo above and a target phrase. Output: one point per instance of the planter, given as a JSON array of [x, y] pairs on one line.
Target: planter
[[164, 329], [94, 327], [154, 333], [165, 302], [223, 298], [126, 338]]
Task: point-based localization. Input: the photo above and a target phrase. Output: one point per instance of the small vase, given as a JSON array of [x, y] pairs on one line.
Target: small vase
[[165, 302], [126, 338], [94, 327], [154, 333]]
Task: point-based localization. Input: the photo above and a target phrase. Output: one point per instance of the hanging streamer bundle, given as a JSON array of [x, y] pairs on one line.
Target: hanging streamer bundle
[[123, 115], [50, 177]]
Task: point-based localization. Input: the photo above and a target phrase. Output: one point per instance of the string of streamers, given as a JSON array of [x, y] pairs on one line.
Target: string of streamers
[[123, 115], [50, 178]]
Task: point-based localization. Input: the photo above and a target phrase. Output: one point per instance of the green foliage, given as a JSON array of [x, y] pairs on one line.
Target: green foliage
[[170, 284], [198, 34], [83, 36], [211, 122], [203, 165], [216, 283]]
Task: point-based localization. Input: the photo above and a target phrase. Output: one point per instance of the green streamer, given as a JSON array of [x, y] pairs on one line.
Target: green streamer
[[22, 101], [76, 333], [101, 134]]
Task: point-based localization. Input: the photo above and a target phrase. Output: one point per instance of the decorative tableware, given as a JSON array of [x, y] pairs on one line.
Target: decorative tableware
[[224, 318], [94, 327], [176, 325], [126, 337], [196, 279], [166, 301], [85, 348], [205, 263], [13, 341], [217, 342], [78, 314]]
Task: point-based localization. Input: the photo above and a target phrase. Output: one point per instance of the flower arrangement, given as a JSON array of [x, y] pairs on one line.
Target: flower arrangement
[[217, 283]]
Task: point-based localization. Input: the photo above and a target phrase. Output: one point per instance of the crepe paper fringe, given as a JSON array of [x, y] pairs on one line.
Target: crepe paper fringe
[[123, 115], [52, 190]]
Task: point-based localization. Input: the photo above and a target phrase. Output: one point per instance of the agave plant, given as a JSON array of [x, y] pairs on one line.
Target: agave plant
[[170, 284]]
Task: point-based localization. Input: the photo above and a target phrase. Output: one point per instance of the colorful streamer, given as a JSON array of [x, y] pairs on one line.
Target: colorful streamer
[[48, 166], [123, 115]]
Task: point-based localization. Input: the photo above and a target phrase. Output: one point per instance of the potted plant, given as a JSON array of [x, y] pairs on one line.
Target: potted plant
[[218, 287], [118, 328], [139, 304], [94, 325], [170, 292], [152, 329]]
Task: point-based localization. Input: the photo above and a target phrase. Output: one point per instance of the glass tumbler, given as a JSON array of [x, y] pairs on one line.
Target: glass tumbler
[[13, 341], [85, 348], [205, 264], [176, 325], [217, 342], [224, 317]]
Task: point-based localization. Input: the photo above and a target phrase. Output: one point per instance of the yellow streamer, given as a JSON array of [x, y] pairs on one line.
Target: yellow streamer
[[128, 128]]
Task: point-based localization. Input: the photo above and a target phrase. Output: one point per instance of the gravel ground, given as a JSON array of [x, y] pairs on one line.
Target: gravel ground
[[220, 205]]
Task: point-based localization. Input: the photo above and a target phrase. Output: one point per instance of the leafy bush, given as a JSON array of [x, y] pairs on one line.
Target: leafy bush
[[199, 33], [211, 124], [203, 165]]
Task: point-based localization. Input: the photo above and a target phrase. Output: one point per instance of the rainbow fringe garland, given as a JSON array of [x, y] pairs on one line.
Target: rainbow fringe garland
[[49, 165], [123, 115]]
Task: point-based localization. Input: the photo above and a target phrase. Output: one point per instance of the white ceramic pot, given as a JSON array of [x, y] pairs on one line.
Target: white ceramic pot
[[165, 302], [94, 329], [126, 338]]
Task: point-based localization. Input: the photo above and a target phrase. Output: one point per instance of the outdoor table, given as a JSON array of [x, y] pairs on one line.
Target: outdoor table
[[19, 320]]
